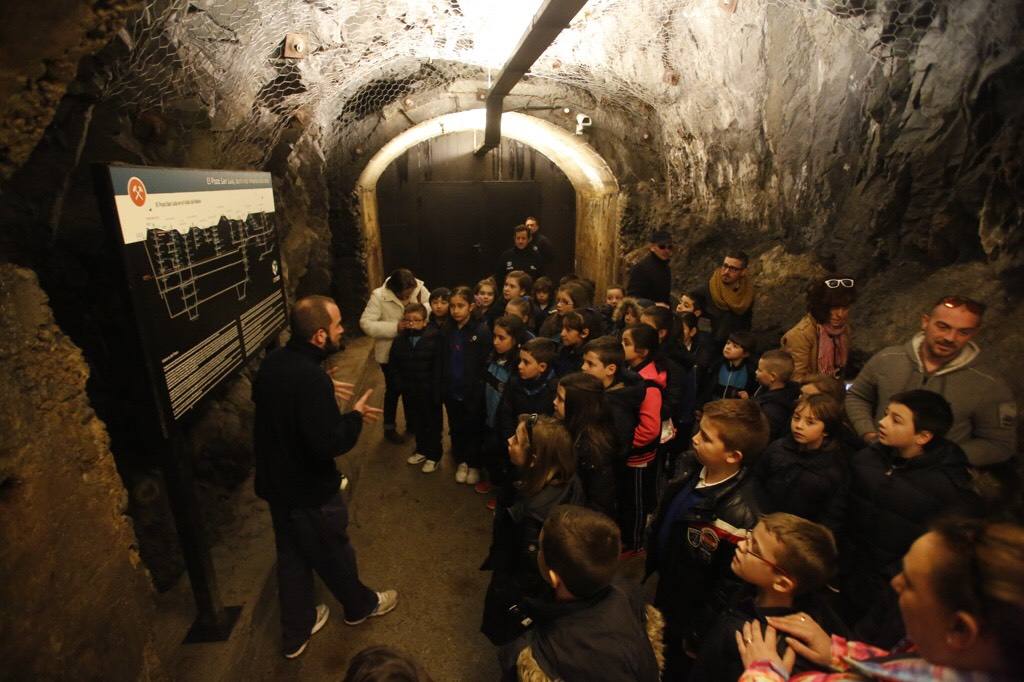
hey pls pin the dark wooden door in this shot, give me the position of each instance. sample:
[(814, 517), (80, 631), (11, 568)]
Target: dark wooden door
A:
[(447, 214)]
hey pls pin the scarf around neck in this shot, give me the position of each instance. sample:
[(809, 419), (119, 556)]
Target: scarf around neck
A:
[(736, 298), (833, 348)]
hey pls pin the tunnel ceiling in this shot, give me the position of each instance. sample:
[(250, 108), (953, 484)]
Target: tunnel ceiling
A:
[(226, 57)]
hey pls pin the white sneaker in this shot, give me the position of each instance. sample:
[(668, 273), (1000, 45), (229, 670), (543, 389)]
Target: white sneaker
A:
[(386, 603), (461, 473), (321, 619), (472, 476), (415, 458), (430, 466)]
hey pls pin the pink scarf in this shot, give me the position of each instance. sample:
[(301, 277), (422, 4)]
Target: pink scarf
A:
[(833, 347)]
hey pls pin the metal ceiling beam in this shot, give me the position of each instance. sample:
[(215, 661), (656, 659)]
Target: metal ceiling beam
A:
[(548, 22)]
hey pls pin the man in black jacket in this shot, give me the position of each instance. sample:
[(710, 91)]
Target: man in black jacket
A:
[(299, 430), (651, 278), (520, 257)]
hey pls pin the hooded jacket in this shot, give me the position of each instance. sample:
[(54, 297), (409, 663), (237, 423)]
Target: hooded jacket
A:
[(515, 541), (607, 637), (778, 406), (624, 399), (526, 397), (801, 482), (890, 503), (381, 315), (984, 411)]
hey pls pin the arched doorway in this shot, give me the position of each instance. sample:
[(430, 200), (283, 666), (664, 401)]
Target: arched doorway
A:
[(448, 215), (595, 247)]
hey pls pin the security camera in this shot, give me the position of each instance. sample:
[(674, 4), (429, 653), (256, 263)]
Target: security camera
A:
[(582, 121)]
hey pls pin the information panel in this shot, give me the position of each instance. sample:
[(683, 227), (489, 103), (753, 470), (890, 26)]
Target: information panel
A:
[(201, 256)]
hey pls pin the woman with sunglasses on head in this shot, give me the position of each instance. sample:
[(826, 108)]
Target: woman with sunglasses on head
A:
[(541, 450), (961, 598), (820, 341)]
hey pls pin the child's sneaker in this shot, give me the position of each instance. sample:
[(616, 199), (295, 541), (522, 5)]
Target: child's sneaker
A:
[(415, 458), (430, 466), (483, 487), (461, 473), (472, 476)]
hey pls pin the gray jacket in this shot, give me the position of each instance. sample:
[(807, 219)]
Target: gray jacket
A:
[(984, 411)]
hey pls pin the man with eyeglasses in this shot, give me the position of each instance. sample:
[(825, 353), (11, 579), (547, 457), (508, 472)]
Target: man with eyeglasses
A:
[(942, 358), (651, 278), (729, 297)]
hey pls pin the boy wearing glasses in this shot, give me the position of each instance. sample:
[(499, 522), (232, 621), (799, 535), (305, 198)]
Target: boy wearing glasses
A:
[(701, 518), (651, 278), (943, 358), (785, 560)]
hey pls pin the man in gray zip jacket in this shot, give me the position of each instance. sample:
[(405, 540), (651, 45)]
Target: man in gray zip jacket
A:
[(942, 358)]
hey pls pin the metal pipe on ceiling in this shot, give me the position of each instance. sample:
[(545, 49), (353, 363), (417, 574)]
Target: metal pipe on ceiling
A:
[(548, 22)]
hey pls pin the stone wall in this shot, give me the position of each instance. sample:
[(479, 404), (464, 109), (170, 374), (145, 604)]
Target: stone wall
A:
[(77, 602)]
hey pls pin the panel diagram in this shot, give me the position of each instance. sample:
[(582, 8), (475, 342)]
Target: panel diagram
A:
[(193, 267)]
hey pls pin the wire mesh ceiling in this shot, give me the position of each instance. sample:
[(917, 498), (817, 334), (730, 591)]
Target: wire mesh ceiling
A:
[(225, 57)]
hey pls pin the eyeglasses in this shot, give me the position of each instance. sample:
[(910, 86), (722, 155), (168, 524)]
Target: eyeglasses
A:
[(733, 268), (748, 541), (836, 283), (665, 247), (962, 301)]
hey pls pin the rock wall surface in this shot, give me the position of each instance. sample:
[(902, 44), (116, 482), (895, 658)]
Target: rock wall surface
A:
[(77, 602)]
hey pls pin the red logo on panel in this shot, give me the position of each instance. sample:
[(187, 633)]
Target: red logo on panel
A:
[(136, 191)]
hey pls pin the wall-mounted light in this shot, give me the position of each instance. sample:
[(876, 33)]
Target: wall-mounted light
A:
[(566, 111), (408, 102), (582, 121), (646, 137), (358, 151)]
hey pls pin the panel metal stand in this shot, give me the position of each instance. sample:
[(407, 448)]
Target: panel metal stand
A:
[(214, 621)]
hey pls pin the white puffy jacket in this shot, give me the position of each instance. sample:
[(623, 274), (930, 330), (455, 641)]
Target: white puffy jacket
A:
[(382, 313)]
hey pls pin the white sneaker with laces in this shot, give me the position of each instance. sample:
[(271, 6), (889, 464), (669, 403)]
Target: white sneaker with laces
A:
[(322, 612), (472, 476), (415, 458), (430, 466), (461, 473), (386, 603)]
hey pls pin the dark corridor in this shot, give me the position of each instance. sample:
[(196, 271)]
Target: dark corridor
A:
[(448, 215)]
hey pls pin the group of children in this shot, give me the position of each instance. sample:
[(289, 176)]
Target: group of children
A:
[(683, 448)]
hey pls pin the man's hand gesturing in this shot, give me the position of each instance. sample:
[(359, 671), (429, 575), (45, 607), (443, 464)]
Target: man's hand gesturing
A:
[(370, 414)]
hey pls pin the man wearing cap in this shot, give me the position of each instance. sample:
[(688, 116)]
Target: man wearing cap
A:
[(942, 358), (729, 297), (651, 278)]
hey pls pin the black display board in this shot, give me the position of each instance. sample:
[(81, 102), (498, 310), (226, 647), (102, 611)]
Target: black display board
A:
[(203, 266)]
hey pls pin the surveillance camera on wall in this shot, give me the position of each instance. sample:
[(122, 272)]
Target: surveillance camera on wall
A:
[(582, 121)]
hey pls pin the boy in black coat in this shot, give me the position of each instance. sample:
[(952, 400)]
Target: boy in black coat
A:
[(532, 388), (897, 487), (775, 393), (701, 518), (588, 629), (417, 355)]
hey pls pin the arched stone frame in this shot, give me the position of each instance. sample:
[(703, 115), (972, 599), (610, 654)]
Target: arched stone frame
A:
[(597, 191)]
